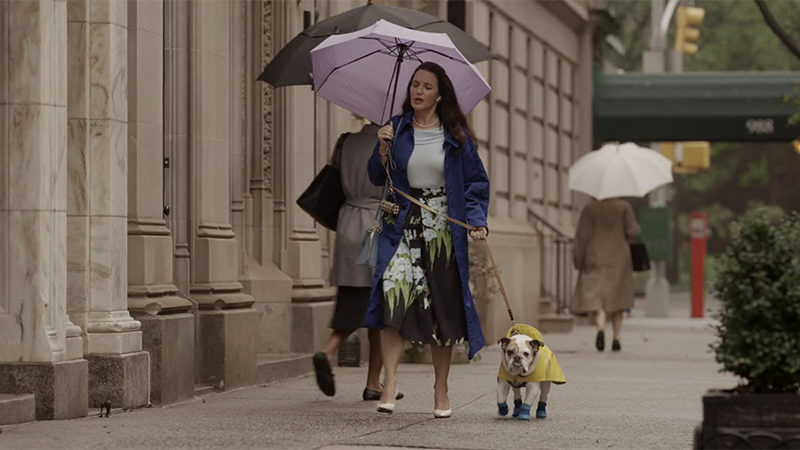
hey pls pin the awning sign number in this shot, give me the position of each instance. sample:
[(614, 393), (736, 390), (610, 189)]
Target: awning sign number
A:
[(760, 126)]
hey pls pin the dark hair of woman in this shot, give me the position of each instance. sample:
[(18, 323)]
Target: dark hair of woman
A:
[(450, 114)]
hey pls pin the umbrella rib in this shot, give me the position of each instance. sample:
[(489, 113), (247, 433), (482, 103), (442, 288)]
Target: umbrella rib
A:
[(429, 50), (391, 47), (345, 65)]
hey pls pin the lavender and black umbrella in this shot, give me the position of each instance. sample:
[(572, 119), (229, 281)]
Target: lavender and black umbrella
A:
[(292, 65), (361, 71)]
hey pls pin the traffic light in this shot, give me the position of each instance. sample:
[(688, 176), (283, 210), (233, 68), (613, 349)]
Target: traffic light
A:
[(796, 145), (688, 19), (687, 157)]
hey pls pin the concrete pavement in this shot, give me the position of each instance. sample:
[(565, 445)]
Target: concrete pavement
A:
[(647, 396)]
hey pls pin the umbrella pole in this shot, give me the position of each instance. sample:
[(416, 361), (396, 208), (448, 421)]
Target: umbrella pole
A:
[(400, 53)]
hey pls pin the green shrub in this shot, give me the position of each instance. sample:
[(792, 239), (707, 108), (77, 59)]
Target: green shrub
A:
[(758, 283)]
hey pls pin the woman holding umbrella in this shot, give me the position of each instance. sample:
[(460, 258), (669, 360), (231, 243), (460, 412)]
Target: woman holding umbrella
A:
[(420, 290)]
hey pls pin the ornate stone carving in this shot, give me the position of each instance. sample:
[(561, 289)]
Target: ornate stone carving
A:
[(266, 95)]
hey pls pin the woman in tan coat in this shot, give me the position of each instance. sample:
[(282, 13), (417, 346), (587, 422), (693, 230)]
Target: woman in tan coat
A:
[(602, 255)]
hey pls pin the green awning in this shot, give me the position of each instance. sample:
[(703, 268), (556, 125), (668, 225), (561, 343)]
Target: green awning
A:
[(700, 106)]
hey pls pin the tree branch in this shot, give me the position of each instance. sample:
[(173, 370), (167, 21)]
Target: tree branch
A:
[(776, 28)]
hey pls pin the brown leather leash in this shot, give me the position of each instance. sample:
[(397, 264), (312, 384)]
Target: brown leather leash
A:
[(468, 227)]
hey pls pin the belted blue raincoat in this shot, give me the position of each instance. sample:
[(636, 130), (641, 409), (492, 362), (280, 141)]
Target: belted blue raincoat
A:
[(467, 187)]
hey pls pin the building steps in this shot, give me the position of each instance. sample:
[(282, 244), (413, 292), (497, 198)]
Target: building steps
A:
[(546, 306), (281, 366), (556, 323), (17, 408)]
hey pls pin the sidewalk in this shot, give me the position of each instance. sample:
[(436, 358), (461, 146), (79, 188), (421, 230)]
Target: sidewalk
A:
[(647, 396)]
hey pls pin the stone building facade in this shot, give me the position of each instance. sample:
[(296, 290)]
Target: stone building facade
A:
[(150, 245)]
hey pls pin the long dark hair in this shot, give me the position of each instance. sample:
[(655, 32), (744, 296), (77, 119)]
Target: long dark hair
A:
[(450, 114)]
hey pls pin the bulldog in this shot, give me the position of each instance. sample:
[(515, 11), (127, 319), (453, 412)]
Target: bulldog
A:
[(526, 363)]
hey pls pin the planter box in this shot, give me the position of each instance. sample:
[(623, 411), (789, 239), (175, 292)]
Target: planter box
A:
[(739, 421)]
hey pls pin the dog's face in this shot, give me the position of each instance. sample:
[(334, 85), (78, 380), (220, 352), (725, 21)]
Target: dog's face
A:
[(520, 354)]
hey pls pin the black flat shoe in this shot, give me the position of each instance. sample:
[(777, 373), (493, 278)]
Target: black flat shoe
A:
[(373, 395), (615, 346), (600, 342), (322, 367)]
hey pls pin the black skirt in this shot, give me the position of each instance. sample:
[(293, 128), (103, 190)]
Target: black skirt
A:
[(351, 307), (421, 285)]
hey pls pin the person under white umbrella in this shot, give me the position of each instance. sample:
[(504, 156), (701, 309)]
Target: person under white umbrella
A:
[(620, 170), (607, 226)]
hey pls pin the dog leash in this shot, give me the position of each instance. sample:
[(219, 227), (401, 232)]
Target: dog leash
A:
[(468, 227)]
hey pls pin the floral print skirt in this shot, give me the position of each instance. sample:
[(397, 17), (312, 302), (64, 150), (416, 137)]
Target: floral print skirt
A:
[(421, 286)]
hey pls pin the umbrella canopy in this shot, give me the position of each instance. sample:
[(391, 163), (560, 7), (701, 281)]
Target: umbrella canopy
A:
[(620, 170), (361, 71), (292, 65)]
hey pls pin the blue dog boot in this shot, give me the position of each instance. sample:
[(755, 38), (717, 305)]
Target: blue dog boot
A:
[(541, 410), (517, 408), (502, 409), (525, 412)]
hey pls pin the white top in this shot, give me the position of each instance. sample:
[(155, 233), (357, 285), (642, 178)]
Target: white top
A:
[(426, 164)]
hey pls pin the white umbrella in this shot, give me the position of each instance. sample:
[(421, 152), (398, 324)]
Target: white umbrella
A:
[(620, 170), (361, 71)]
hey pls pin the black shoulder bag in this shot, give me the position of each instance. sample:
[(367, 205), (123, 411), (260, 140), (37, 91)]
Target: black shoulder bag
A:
[(325, 196), (639, 257)]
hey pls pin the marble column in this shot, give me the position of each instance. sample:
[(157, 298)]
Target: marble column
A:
[(296, 126), (98, 202), (227, 320), (153, 299), (38, 351), (253, 166)]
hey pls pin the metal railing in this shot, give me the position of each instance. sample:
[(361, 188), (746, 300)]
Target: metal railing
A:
[(556, 262)]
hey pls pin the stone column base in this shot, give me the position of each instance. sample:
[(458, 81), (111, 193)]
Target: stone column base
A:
[(272, 291), (124, 380), (170, 341), (227, 353), (61, 389), (311, 325)]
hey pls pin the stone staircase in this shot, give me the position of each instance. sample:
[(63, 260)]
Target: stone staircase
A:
[(281, 366), (271, 367), (17, 408), (549, 321)]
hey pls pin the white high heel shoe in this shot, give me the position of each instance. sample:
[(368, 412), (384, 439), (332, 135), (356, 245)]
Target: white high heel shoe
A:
[(442, 413), (387, 408)]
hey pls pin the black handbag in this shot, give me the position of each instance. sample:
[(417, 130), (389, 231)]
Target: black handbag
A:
[(639, 257), (325, 196)]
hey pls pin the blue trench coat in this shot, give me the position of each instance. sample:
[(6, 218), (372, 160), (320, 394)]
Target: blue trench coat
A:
[(467, 187)]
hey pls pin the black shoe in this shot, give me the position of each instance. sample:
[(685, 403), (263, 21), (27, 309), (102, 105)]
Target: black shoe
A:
[(324, 374), (615, 346), (373, 395), (600, 342)]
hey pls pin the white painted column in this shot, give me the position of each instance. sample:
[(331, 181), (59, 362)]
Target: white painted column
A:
[(38, 348)]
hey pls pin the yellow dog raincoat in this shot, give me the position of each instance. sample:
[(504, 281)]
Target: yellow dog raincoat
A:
[(542, 372)]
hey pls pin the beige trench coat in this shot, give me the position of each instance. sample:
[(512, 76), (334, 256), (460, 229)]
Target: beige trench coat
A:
[(357, 214), (602, 255)]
